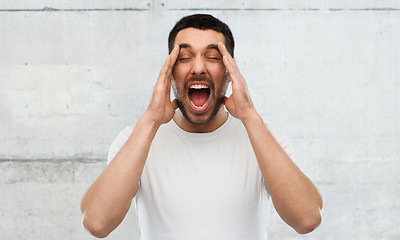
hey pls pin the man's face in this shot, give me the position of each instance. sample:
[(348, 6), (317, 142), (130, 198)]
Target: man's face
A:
[(199, 75)]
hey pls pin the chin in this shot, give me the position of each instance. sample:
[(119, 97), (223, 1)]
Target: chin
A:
[(199, 118)]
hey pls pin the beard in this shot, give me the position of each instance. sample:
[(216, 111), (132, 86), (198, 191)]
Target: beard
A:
[(215, 101)]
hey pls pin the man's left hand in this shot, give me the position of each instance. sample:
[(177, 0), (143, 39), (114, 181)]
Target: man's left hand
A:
[(239, 103)]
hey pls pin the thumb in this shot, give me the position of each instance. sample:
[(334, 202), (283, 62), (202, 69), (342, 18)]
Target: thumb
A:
[(229, 105), (224, 100), (175, 104)]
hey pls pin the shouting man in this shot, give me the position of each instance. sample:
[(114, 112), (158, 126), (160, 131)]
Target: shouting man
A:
[(203, 166)]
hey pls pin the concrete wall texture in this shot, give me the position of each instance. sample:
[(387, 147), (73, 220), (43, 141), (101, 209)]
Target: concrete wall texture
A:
[(74, 73)]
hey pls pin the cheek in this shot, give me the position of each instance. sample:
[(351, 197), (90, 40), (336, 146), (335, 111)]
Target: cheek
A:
[(180, 70), (218, 72)]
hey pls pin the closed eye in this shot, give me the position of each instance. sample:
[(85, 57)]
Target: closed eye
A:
[(184, 59), (213, 58), (213, 54)]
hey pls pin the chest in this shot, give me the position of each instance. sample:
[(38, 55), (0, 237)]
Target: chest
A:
[(222, 173)]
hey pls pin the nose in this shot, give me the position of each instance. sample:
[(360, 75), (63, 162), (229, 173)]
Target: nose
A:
[(198, 67)]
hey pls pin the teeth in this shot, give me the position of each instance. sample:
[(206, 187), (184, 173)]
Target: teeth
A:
[(198, 86), (197, 106)]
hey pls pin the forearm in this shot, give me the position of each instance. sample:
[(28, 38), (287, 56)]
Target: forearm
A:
[(295, 197), (107, 201)]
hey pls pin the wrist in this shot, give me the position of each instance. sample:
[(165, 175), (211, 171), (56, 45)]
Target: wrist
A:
[(252, 118), (149, 120)]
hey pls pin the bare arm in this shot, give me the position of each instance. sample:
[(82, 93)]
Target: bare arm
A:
[(107, 201), (295, 198)]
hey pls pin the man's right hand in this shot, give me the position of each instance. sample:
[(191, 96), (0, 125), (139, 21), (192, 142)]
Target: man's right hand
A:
[(107, 201), (161, 110)]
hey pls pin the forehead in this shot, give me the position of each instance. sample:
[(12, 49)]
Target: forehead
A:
[(198, 38)]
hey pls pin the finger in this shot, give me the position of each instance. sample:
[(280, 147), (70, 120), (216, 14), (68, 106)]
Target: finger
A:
[(228, 64), (163, 71), (229, 105), (173, 56), (175, 104), (224, 100), (227, 59), (223, 50), (234, 73)]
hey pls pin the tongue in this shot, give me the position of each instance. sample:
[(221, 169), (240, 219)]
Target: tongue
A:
[(199, 97)]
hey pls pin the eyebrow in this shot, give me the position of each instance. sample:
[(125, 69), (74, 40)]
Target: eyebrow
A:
[(213, 46), (184, 45), (209, 46)]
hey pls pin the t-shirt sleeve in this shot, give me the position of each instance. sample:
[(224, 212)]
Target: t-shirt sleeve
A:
[(118, 143), (282, 139)]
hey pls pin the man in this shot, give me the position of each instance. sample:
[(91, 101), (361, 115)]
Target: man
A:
[(200, 172)]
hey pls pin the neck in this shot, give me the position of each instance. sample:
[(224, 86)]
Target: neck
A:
[(212, 125)]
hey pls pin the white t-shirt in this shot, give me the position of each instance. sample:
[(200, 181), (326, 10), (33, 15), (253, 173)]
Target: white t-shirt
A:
[(201, 186)]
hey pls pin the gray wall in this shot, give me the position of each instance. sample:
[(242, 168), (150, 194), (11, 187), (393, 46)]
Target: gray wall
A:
[(74, 73)]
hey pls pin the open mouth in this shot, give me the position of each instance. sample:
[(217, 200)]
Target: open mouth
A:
[(199, 94)]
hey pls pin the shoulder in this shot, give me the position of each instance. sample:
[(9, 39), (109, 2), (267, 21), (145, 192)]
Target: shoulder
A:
[(278, 134), (123, 136), (119, 142)]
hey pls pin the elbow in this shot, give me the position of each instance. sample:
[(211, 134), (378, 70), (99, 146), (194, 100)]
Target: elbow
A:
[(95, 227), (309, 223)]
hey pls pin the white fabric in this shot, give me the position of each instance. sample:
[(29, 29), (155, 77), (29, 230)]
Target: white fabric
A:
[(201, 185)]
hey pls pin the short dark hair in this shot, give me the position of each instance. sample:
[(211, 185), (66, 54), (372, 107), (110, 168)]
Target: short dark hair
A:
[(203, 22)]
